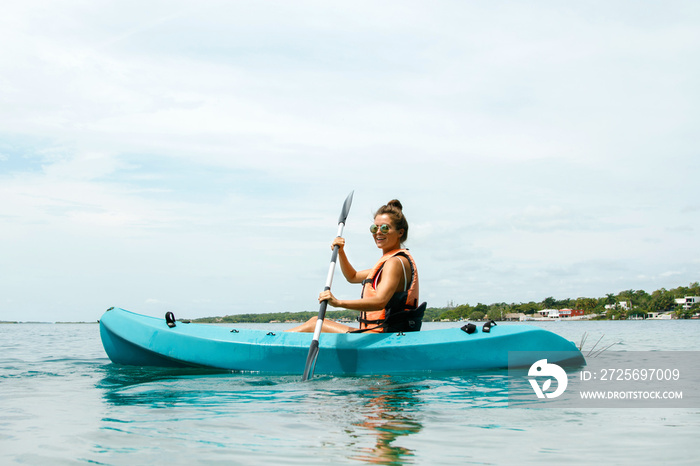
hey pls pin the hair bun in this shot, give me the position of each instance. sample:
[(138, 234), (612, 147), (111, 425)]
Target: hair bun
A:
[(395, 203)]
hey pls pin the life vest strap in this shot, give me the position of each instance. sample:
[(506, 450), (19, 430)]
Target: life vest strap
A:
[(407, 320)]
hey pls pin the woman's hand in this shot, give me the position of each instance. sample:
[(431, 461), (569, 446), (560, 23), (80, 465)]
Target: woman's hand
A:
[(338, 241), (328, 296)]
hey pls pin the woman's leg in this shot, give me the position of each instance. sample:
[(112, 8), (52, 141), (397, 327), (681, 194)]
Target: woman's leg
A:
[(329, 326)]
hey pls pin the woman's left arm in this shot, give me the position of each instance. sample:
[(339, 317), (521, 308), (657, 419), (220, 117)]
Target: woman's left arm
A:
[(388, 285)]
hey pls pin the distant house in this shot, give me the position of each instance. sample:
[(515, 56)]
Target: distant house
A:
[(659, 316), (515, 316), (624, 305), (687, 302), (570, 312), (551, 313), (560, 313)]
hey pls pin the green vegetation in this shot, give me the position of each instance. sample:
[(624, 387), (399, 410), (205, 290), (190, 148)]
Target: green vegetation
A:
[(636, 303), (277, 317)]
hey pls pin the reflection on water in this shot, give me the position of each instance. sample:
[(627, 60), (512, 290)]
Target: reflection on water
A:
[(370, 419), (117, 382), (390, 412)]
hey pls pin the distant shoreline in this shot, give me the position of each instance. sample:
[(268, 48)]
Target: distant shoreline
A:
[(444, 321)]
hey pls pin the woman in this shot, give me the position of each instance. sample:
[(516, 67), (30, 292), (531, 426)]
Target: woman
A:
[(389, 300)]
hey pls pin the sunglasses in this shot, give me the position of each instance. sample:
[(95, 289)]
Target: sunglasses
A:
[(383, 228)]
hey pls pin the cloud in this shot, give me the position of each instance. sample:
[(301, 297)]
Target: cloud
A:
[(200, 153)]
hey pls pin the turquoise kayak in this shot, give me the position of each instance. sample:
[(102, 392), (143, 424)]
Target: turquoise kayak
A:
[(134, 339)]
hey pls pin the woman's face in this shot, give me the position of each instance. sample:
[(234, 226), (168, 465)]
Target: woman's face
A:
[(389, 240)]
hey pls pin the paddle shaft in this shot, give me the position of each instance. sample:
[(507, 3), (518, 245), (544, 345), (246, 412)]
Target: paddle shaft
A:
[(329, 281), (313, 349)]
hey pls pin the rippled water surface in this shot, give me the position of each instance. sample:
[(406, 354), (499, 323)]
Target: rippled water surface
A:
[(63, 401)]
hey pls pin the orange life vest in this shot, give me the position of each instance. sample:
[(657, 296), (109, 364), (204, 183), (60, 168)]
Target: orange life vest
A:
[(376, 321)]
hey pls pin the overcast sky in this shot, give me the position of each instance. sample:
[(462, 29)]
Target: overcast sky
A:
[(194, 156)]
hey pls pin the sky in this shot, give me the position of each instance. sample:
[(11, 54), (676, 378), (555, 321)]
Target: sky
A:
[(194, 156)]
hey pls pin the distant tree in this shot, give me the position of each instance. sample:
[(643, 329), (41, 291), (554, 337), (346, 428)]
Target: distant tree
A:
[(498, 311), (683, 313), (476, 315), (680, 292), (661, 300), (463, 310), (610, 299), (641, 298), (627, 294), (549, 303), (483, 308), (694, 289), (450, 314), (586, 304), (432, 314), (527, 308)]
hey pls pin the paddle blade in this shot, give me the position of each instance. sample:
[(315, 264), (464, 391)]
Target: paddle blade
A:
[(310, 361), (346, 208)]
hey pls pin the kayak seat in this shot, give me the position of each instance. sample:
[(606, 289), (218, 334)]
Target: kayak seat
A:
[(409, 320)]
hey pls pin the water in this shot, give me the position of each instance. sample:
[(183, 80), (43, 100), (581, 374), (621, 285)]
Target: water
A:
[(63, 402)]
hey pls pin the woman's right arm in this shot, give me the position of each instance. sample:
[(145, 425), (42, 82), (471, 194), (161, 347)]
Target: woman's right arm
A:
[(351, 275)]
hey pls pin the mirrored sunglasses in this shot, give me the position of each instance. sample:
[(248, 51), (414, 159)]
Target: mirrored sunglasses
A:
[(384, 228)]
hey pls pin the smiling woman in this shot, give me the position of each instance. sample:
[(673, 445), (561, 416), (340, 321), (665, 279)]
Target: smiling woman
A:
[(389, 300)]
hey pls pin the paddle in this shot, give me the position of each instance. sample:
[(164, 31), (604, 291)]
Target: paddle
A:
[(313, 349)]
